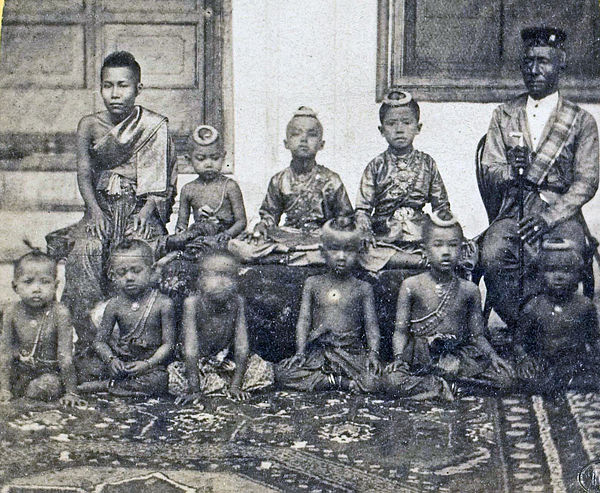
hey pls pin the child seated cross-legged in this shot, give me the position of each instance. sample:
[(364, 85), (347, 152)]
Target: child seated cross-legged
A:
[(394, 189), (216, 347), (336, 315), (439, 322), (37, 337), (136, 335), (305, 193), (214, 199), (558, 343)]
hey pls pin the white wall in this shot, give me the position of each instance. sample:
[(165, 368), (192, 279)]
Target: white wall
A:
[(321, 53)]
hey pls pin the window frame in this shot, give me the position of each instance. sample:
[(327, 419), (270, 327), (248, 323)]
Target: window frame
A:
[(391, 56)]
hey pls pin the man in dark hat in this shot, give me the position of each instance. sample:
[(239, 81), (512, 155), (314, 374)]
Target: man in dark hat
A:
[(555, 143)]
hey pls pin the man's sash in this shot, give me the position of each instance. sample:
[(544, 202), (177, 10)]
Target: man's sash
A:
[(141, 139), (564, 123)]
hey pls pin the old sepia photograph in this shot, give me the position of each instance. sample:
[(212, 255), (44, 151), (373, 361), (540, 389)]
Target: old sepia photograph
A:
[(299, 246)]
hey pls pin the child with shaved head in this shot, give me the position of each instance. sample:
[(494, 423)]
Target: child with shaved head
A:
[(137, 332), (216, 347)]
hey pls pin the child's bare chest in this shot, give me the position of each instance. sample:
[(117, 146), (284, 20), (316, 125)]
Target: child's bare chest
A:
[(338, 297), (130, 320), (215, 330)]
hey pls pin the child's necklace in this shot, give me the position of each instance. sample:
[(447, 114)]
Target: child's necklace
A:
[(441, 288), (135, 306)]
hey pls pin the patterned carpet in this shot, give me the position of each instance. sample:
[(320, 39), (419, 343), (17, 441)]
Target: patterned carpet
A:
[(282, 441)]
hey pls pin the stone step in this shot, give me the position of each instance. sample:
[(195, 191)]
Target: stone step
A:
[(47, 190)]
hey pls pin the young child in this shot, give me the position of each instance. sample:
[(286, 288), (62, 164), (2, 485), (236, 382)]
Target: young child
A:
[(216, 345), (439, 323), (337, 311), (37, 337), (394, 189), (307, 193), (558, 342), (136, 353), (215, 200)]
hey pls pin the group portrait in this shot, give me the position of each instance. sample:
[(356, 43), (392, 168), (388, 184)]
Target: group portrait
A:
[(322, 246)]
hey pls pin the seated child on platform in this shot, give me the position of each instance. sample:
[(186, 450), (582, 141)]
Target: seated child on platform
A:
[(558, 343), (439, 322), (395, 187), (305, 193), (36, 343), (214, 199), (216, 347), (136, 335)]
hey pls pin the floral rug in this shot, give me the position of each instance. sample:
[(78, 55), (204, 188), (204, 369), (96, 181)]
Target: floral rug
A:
[(284, 441)]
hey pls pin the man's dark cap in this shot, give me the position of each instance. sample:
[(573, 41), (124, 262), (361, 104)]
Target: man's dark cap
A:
[(544, 36)]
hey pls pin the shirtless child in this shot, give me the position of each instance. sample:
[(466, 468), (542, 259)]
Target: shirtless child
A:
[(135, 355), (214, 325), (439, 323), (37, 337), (336, 311), (215, 200), (558, 342)]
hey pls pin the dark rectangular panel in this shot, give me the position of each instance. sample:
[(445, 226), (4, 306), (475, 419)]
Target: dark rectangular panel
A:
[(38, 55), (166, 52), (455, 38)]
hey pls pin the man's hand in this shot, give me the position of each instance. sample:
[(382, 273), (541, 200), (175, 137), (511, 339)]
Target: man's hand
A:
[(5, 396), (141, 221), (501, 365), (97, 224), (192, 398), (237, 394), (70, 399), (396, 365), (518, 157), (117, 368), (532, 228), (297, 360), (136, 367), (373, 363)]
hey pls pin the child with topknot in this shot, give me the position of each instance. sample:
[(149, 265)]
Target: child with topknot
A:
[(214, 199), (337, 335), (439, 323), (395, 188), (36, 343)]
